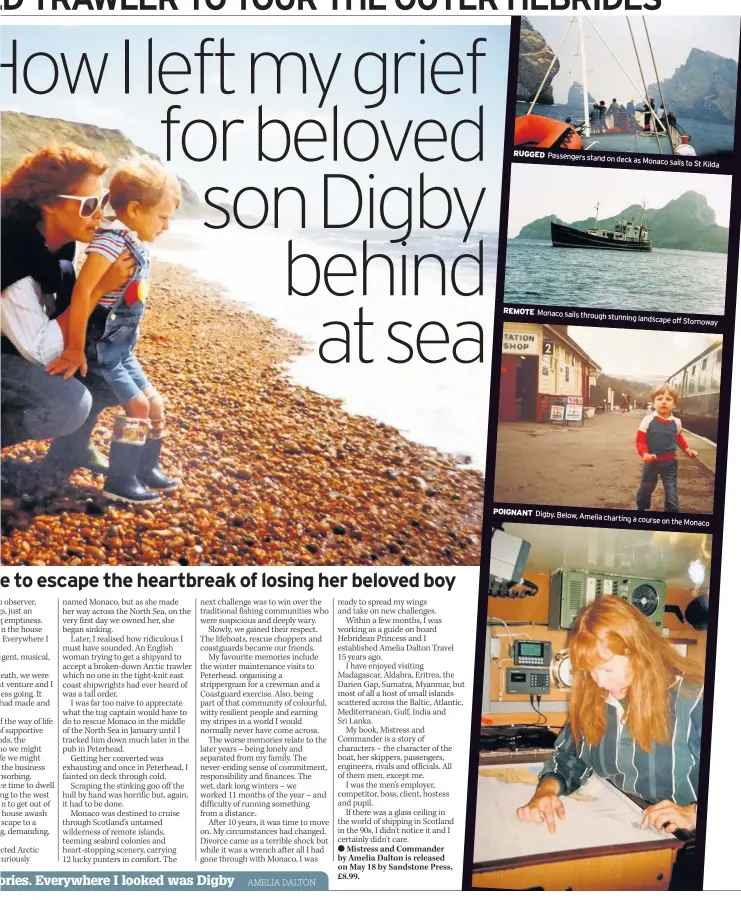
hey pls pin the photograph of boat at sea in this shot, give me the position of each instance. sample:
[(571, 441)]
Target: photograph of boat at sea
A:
[(612, 239), (628, 85)]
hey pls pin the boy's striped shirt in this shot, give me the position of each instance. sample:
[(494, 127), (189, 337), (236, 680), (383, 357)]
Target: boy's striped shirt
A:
[(110, 241)]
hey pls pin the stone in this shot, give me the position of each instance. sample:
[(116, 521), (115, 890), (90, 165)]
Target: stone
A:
[(576, 96), (534, 59), (703, 88)]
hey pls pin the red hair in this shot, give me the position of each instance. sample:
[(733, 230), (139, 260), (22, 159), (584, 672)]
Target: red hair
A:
[(610, 625), (40, 177)]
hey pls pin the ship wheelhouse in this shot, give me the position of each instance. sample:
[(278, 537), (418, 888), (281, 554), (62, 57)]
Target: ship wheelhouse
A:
[(623, 231)]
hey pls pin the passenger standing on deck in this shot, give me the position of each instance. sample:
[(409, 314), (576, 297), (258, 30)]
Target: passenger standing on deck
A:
[(614, 111), (648, 114), (594, 119), (631, 111)]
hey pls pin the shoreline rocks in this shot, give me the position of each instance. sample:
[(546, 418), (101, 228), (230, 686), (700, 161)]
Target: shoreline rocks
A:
[(534, 59), (273, 473), (576, 95)]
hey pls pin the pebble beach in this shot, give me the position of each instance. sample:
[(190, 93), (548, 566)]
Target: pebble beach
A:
[(273, 473)]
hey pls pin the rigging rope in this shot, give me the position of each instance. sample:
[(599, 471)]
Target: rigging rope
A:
[(645, 89), (553, 62), (658, 80)]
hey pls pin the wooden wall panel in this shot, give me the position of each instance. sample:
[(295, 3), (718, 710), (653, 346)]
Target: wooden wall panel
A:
[(535, 609)]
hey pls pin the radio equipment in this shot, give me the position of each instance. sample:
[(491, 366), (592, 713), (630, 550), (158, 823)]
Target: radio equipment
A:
[(571, 591)]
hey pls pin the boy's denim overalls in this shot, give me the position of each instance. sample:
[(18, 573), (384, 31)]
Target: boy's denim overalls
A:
[(114, 331)]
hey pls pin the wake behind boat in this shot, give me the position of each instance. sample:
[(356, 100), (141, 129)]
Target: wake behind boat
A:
[(626, 235)]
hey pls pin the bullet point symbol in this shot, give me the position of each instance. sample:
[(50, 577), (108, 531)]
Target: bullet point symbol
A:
[(341, 847)]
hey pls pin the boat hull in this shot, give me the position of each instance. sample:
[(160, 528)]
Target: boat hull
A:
[(629, 142), (542, 131), (563, 236), (614, 140)]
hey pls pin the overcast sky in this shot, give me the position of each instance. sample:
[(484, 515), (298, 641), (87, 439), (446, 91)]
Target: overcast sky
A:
[(572, 193), (640, 354), (672, 38)]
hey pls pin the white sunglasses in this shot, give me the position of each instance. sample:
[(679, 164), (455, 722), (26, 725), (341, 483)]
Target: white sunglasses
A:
[(88, 205)]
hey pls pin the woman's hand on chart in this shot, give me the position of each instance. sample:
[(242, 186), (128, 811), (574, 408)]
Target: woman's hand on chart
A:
[(544, 807), (668, 816)]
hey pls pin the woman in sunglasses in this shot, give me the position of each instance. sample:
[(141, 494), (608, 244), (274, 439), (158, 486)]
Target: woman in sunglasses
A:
[(52, 199)]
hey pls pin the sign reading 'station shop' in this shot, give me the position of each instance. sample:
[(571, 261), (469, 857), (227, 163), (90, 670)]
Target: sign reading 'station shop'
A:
[(522, 342)]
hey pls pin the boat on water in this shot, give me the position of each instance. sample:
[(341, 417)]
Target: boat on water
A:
[(644, 131), (627, 235), (537, 130)]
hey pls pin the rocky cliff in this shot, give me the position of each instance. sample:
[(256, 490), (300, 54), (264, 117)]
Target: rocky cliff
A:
[(535, 57), (23, 133), (703, 88), (576, 95), (686, 223)]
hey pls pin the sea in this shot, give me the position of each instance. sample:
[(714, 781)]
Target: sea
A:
[(442, 405), (660, 281), (707, 138)]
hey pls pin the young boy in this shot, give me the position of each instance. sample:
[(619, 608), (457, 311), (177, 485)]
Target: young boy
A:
[(103, 334), (657, 440)]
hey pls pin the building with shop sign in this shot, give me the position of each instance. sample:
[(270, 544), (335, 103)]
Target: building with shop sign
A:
[(541, 367)]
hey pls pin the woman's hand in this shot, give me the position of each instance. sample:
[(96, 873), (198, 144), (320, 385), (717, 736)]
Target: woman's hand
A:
[(668, 816), (116, 275), (68, 363), (545, 806)]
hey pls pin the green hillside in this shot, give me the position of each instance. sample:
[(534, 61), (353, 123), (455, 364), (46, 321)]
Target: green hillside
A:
[(23, 133), (687, 223)]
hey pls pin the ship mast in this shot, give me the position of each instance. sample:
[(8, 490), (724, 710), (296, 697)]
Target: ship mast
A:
[(648, 105), (585, 91), (641, 93), (596, 217), (658, 82)]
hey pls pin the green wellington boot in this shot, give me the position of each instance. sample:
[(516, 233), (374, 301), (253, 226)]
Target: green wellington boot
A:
[(77, 451), (65, 458)]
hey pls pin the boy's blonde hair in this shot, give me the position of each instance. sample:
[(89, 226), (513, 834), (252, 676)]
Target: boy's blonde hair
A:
[(144, 180), (665, 389)]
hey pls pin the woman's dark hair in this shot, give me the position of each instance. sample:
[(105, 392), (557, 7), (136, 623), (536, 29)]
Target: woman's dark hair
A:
[(40, 177)]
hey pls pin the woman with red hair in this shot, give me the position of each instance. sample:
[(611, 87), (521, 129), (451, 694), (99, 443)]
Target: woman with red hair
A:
[(635, 718), (52, 199)]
